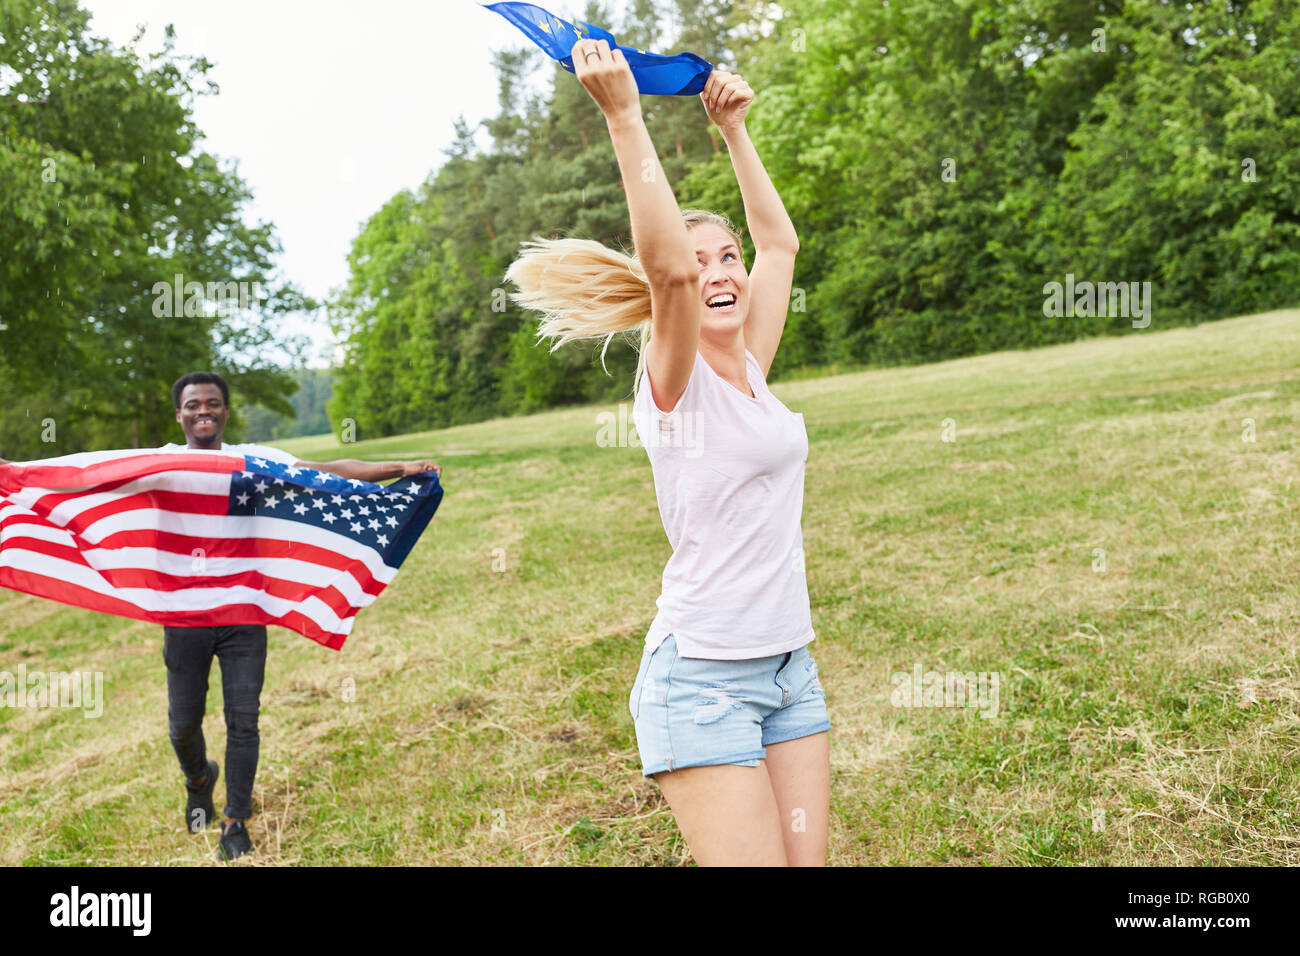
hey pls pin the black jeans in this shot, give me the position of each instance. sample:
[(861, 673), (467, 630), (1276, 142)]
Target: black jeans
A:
[(187, 652)]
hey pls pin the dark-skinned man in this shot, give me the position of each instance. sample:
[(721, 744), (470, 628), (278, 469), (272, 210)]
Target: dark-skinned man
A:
[(202, 402)]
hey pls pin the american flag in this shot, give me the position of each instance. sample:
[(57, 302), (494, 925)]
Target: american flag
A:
[(196, 539)]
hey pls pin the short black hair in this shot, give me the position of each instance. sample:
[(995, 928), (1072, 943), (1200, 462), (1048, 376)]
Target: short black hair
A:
[(200, 378)]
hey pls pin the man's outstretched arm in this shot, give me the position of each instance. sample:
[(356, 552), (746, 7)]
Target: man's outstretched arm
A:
[(372, 471)]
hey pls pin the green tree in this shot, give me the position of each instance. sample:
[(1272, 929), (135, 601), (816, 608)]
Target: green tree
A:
[(96, 217)]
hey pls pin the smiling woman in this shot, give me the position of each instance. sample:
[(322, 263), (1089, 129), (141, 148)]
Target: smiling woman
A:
[(730, 717)]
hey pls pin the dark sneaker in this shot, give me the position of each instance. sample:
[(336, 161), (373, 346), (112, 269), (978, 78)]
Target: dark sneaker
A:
[(234, 841), (199, 812)]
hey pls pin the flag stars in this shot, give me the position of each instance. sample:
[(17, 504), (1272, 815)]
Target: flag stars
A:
[(370, 514)]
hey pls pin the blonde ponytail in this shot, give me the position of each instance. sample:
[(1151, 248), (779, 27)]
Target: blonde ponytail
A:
[(586, 290)]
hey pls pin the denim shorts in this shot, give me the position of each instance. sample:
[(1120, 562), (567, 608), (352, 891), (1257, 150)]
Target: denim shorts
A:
[(691, 712)]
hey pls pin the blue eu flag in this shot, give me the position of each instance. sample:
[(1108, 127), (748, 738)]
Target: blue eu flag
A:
[(678, 75)]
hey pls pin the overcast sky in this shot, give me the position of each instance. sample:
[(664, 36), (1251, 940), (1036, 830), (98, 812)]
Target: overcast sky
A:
[(330, 107)]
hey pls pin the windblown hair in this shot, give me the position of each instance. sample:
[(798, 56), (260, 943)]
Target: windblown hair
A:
[(586, 290)]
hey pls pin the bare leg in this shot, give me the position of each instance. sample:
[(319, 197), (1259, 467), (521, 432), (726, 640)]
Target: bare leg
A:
[(727, 814), (800, 771)]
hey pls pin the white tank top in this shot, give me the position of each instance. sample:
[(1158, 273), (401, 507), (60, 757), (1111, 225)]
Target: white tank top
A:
[(728, 472)]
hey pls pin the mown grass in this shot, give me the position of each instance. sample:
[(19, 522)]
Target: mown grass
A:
[(1148, 704)]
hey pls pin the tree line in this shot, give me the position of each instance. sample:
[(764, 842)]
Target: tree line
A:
[(951, 169), (954, 171)]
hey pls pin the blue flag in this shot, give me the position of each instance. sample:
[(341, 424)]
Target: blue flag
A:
[(679, 75)]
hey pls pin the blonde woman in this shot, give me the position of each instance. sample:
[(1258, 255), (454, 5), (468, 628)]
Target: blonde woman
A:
[(730, 718)]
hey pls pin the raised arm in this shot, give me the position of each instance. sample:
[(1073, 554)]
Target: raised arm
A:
[(726, 99), (660, 236)]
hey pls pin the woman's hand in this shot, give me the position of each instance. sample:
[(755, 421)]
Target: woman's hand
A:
[(608, 79), (726, 98)]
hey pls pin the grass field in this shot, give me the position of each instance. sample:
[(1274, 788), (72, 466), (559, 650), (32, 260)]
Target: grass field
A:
[(1101, 534)]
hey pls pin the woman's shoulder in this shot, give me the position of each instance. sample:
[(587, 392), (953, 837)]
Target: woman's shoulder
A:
[(689, 397), (751, 361)]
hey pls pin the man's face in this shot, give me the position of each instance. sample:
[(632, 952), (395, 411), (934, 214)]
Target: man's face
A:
[(202, 415)]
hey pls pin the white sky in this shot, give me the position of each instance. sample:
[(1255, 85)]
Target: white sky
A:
[(330, 107)]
